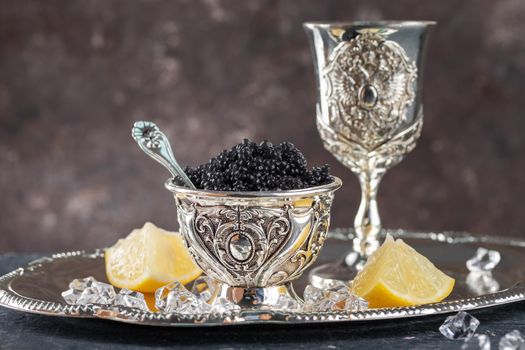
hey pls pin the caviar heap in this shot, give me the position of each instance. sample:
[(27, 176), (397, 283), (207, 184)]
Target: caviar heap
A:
[(249, 166)]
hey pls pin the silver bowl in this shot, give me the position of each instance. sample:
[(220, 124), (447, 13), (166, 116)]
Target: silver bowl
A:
[(255, 242)]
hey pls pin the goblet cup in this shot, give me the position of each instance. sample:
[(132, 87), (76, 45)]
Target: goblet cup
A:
[(369, 112)]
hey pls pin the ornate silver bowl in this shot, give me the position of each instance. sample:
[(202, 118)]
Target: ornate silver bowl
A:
[(254, 243)]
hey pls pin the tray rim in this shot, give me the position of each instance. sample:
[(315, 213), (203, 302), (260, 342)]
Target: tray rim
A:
[(12, 300)]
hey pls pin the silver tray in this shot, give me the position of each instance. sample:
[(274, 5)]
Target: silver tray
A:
[(37, 287)]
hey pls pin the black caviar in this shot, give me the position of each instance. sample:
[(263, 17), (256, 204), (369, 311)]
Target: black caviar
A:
[(249, 166)]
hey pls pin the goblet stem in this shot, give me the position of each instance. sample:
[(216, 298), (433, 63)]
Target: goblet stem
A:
[(367, 222)]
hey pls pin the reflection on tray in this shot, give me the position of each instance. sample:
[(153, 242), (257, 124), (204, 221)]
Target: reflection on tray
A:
[(481, 283)]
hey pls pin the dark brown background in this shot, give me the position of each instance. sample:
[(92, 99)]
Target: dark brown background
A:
[(74, 75)]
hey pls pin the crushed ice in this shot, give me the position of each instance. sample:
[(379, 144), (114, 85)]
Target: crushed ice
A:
[(335, 298), (204, 299)]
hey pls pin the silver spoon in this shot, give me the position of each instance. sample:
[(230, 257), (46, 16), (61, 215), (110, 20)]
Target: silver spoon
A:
[(156, 145)]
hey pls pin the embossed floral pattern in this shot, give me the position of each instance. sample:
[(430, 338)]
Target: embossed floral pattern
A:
[(251, 245), (370, 84)]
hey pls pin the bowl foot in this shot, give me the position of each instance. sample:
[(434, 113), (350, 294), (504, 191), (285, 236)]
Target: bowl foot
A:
[(257, 298)]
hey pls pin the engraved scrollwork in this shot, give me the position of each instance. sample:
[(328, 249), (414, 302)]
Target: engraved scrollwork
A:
[(302, 258), (241, 238), (252, 245), (277, 231), (357, 158), (369, 86)]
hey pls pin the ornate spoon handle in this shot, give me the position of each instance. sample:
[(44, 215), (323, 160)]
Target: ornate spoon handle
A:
[(156, 145)]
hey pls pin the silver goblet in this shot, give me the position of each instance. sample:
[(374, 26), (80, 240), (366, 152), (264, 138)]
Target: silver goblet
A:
[(369, 111)]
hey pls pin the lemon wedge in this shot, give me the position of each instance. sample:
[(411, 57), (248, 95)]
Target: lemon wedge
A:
[(149, 258), (397, 275)]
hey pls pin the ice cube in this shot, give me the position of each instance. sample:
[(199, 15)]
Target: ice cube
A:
[(82, 283), (335, 298), (484, 261), (91, 296), (477, 342), (459, 326), (287, 303), (105, 292), (71, 296), (188, 306), (224, 306), (76, 287), (89, 291), (205, 288), (316, 299), (512, 341), (355, 303), (312, 295), (130, 298), (174, 297)]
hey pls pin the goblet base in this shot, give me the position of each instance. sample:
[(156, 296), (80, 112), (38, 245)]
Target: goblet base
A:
[(257, 298), (326, 275)]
